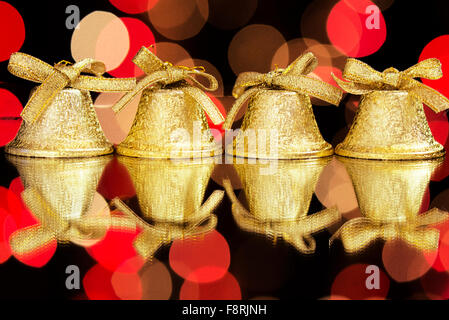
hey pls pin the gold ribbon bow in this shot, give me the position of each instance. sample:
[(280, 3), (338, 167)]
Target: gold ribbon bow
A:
[(296, 232), (51, 226), (56, 78), (54, 227), (164, 73), (154, 236), (292, 78), (358, 233), (364, 79)]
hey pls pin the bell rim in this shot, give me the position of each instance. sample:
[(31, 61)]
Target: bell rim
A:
[(66, 153), (188, 154), (432, 154), (325, 152)]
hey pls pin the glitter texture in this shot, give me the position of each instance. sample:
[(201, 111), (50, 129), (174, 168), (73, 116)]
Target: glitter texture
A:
[(169, 124), (390, 125), (279, 124), (68, 127)]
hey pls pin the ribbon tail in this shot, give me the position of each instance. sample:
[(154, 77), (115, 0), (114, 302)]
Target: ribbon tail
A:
[(352, 87), (355, 234), (210, 204), (311, 87), (30, 239), (42, 211), (432, 217), (141, 85), (430, 97), (28, 67), (422, 239), (321, 220), (304, 64), (147, 243), (230, 118), (44, 95), (205, 102), (104, 84), (303, 243)]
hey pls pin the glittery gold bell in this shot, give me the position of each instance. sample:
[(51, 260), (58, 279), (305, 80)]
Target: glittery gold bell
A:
[(59, 119), (390, 122), (170, 120), (67, 185), (278, 196), (172, 191), (67, 128), (390, 194), (279, 122)]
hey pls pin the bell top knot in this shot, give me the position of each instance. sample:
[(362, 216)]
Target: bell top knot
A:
[(62, 75), (361, 79)]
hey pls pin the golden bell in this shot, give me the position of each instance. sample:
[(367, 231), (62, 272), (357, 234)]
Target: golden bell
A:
[(169, 124), (170, 191), (68, 127), (67, 185), (390, 195), (279, 122), (290, 132), (390, 125), (278, 196), (390, 191), (59, 193)]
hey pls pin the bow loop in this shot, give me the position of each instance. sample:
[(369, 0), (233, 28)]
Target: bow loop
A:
[(362, 79), (63, 74), (358, 233), (293, 78), (163, 73), (303, 65)]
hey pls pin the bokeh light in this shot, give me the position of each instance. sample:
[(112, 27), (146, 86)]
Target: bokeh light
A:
[(227, 288), (405, 263), (437, 48), (202, 259), (116, 181), (133, 6), (7, 227), (355, 32), (115, 248), (115, 126), (103, 36), (179, 19), (13, 30), (334, 188), (126, 281), (98, 208), (10, 120), (351, 283), (253, 48), (139, 35), (231, 14), (97, 284), (436, 285), (292, 49), (313, 20), (156, 281)]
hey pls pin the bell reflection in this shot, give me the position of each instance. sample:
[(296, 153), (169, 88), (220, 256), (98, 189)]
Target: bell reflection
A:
[(390, 194), (278, 201), (68, 185), (170, 196), (59, 192), (169, 190)]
